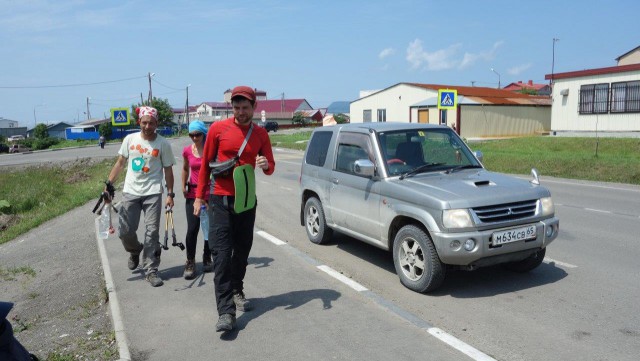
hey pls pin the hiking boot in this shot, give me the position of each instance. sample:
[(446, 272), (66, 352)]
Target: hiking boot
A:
[(242, 304), (207, 264), (134, 260), (190, 270), (154, 279), (226, 322)]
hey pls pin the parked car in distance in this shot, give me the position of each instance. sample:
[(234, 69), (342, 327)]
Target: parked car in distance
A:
[(14, 138), (418, 191), (18, 148), (270, 126)]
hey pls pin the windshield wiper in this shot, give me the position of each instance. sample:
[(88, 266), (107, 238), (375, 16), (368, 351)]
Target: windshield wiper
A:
[(419, 169), (461, 167)]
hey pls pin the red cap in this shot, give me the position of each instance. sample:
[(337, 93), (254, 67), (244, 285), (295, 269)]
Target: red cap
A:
[(245, 92)]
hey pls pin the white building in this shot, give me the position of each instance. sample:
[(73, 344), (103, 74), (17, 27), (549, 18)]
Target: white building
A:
[(480, 112), (602, 101), (8, 123)]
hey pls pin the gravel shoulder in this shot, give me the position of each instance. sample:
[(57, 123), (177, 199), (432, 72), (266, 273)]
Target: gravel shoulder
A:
[(54, 276)]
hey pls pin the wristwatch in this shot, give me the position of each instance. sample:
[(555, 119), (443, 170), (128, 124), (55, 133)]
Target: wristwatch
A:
[(171, 194)]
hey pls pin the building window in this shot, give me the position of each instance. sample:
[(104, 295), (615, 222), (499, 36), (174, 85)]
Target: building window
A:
[(366, 116), (594, 99), (625, 97), (382, 115)]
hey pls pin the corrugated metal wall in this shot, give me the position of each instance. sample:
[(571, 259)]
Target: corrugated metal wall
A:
[(487, 121)]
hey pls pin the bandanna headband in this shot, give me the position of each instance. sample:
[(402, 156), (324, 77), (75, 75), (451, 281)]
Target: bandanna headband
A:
[(150, 111)]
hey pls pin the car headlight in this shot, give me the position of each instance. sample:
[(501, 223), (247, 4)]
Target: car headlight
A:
[(456, 218), (547, 207)]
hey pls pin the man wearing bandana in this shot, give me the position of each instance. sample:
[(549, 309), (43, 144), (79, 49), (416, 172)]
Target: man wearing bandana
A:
[(147, 156)]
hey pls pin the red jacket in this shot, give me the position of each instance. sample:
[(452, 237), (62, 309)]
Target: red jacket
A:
[(224, 139)]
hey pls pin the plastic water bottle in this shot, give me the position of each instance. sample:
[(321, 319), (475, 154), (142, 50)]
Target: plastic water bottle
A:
[(204, 221), (103, 223)]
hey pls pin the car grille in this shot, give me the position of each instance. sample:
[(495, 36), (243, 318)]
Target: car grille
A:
[(506, 212)]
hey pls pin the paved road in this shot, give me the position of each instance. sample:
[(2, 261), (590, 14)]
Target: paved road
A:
[(580, 304)]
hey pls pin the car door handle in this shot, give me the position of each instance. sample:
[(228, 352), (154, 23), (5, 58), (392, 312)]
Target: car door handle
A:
[(335, 181)]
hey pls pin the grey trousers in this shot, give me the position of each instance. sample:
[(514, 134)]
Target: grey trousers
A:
[(129, 219)]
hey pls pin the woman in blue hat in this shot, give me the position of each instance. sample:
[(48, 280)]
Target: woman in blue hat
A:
[(192, 155)]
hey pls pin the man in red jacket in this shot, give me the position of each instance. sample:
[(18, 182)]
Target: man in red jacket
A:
[(231, 233)]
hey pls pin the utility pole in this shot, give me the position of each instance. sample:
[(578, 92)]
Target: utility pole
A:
[(473, 83), (553, 60), (88, 112), (141, 99)]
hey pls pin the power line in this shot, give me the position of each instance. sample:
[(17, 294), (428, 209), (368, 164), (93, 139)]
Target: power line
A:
[(166, 86), (69, 85)]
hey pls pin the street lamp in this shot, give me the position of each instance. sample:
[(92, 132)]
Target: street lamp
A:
[(553, 60), (34, 114), (187, 106), (150, 93), (498, 77)]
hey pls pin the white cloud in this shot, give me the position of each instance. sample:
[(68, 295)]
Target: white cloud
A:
[(471, 58), (438, 60), (386, 52), (517, 70)]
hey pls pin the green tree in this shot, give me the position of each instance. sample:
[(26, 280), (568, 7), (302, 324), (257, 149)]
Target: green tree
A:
[(40, 131), (106, 130), (165, 114), (298, 118), (341, 118), (528, 91)]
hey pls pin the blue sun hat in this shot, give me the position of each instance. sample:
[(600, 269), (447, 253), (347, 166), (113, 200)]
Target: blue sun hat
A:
[(198, 126)]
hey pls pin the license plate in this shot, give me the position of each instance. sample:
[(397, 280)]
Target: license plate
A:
[(513, 235)]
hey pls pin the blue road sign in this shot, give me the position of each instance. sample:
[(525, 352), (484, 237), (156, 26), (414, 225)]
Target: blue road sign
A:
[(120, 116), (447, 98)]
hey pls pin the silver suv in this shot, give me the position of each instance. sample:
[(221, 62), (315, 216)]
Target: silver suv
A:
[(418, 191)]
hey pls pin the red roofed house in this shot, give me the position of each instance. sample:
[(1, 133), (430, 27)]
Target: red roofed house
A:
[(535, 89), (600, 101)]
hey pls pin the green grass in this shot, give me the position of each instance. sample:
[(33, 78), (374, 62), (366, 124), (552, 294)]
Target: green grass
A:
[(291, 141), (38, 194), (8, 274), (606, 160)]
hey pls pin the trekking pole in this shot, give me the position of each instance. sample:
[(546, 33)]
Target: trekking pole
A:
[(166, 230), (173, 232)]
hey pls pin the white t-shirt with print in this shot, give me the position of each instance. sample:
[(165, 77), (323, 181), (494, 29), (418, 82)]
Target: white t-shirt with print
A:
[(145, 163)]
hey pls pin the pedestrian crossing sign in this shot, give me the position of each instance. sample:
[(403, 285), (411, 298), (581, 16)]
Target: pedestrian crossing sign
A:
[(120, 117), (447, 98)]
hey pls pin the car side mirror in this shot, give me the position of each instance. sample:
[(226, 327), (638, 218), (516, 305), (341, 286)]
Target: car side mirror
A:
[(364, 167)]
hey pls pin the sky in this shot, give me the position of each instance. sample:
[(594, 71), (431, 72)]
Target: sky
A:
[(58, 55)]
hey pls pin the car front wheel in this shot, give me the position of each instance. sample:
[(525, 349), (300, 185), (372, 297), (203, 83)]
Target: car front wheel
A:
[(416, 260), (315, 222)]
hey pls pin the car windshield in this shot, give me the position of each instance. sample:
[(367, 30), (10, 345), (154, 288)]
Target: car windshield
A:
[(409, 152)]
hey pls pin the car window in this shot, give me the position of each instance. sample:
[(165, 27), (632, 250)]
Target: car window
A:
[(318, 148), (406, 150), (352, 147)]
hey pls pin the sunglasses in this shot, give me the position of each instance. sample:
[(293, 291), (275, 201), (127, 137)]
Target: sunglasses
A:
[(196, 135)]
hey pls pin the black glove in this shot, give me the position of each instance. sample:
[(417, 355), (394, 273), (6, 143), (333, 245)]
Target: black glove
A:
[(111, 189)]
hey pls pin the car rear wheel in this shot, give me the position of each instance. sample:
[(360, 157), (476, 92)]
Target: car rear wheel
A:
[(416, 260), (528, 263), (315, 223)]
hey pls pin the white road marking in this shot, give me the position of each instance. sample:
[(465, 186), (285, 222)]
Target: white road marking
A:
[(597, 210), (286, 188), (270, 238), (561, 264), (342, 278), (459, 345), (542, 181), (441, 335)]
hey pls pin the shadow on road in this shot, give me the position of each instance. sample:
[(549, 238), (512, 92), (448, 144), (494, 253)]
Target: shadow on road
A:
[(289, 301)]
